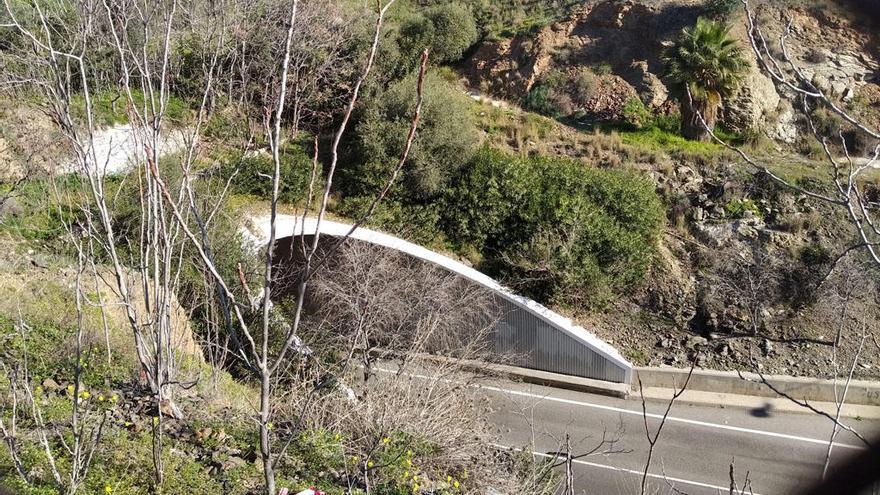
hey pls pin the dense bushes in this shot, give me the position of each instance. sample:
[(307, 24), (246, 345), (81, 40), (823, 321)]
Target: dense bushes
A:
[(251, 174), (561, 94), (446, 139), (567, 234), (447, 30)]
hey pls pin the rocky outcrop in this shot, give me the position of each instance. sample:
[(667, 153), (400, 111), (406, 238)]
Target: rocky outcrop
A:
[(623, 39), (755, 100), (621, 42)]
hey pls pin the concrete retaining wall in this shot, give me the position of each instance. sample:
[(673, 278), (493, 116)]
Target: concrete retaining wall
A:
[(729, 382)]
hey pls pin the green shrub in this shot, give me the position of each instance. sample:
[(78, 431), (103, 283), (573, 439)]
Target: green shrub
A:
[(253, 174), (635, 114), (814, 254), (737, 208), (602, 69), (415, 222), (446, 30), (539, 100), (569, 234), (446, 139), (722, 9), (112, 107)]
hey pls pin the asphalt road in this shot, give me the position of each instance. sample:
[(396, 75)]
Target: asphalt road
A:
[(782, 453)]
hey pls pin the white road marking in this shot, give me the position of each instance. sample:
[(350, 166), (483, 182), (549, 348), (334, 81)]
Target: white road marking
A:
[(694, 422), (671, 479)]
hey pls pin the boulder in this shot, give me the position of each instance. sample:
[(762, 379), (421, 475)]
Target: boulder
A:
[(754, 101), (651, 90), (10, 207), (786, 128)]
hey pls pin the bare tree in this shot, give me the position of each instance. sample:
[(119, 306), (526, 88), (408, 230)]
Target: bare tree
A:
[(380, 304), (654, 438), (258, 352), (78, 438)]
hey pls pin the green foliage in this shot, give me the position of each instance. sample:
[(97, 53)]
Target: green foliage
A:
[(663, 135), (507, 18), (445, 140), (722, 9), (561, 94), (539, 100), (112, 107), (252, 174), (635, 114), (447, 30), (40, 219), (737, 208), (707, 60), (451, 30), (571, 235), (602, 69), (814, 254), (416, 222)]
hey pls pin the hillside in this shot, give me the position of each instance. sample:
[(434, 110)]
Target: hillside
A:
[(633, 165)]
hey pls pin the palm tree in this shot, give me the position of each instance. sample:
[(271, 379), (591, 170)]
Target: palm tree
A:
[(711, 64)]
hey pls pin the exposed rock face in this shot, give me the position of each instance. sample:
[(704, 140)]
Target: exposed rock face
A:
[(624, 38), (609, 98), (755, 100), (621, 41), (651, 89)]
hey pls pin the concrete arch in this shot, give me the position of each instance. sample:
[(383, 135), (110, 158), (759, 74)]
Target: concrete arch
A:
[(546, 340)]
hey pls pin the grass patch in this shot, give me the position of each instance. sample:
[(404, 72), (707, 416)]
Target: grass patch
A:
[(111, 108), (663, 134)]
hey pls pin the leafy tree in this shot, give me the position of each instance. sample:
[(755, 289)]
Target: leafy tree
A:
[(445, 141), (447, 30), (711, 64)]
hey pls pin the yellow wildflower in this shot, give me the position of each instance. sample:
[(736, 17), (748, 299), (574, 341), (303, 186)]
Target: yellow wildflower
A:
[(448, 479), (114, 398), (456, 483), (386, 440), (416, 487), (269, 425), (369, 464), (70, 389), (108, 489), (101, 398)]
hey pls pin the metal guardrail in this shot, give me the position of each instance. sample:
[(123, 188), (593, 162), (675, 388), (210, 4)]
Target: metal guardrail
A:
[(533, 335)]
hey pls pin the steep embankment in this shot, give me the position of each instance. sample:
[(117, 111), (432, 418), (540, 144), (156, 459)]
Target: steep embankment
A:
[(743, 275), (610, 51)]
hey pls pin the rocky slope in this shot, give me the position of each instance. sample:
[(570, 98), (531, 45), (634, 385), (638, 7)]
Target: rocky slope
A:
[(618, 44), (744, 280)]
